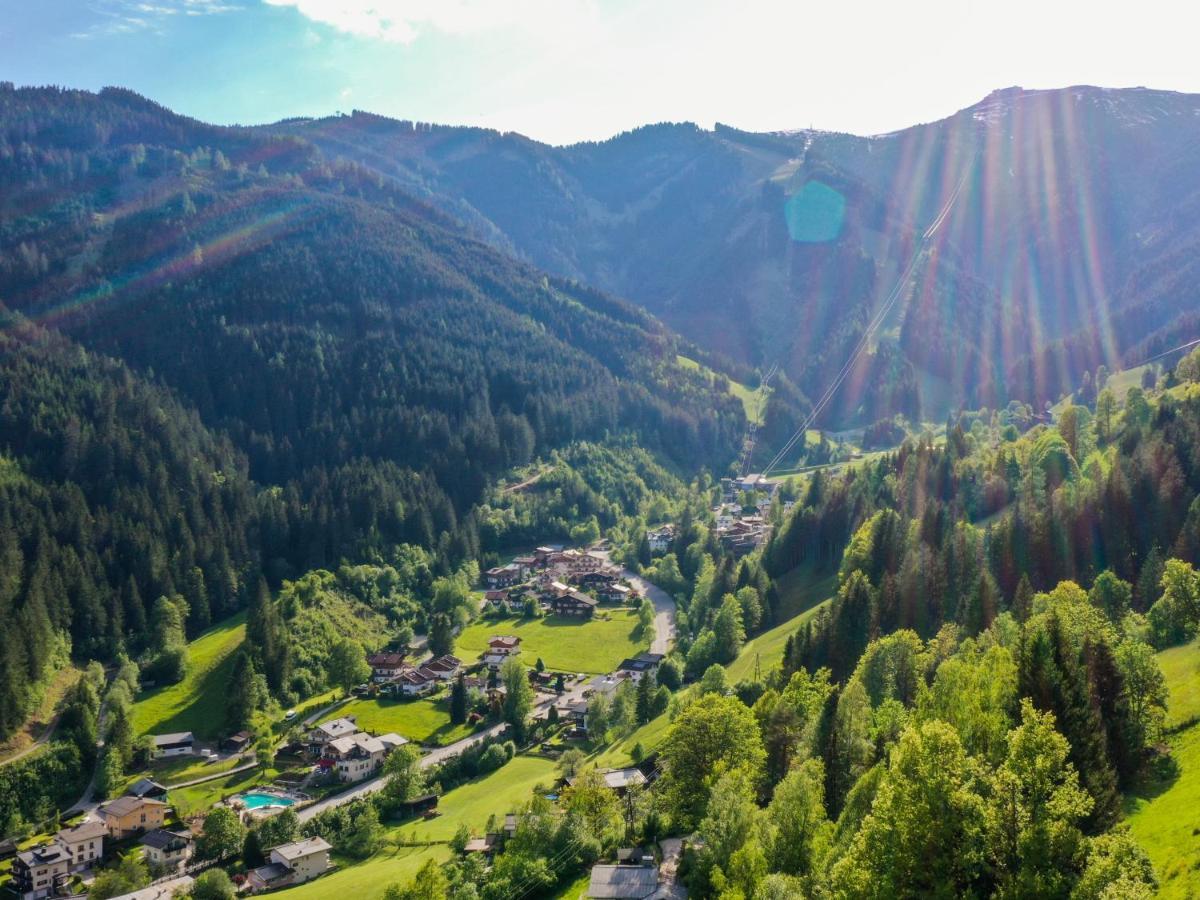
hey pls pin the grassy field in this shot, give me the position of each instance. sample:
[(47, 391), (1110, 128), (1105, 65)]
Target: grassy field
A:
[(197, 703), (564, 644), (1181, 667), (495, 794), (363, 880), (802, 588), (426, 721), (620, 753), (1162, 812), (407, 847), (178, 771), (766, 650), (190, 800), (745, 393)]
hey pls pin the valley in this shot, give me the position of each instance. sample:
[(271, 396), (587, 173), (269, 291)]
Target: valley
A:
[(428, 512)]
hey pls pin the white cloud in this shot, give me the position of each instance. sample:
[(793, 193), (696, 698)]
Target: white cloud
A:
[(401, 21), (128, 16)]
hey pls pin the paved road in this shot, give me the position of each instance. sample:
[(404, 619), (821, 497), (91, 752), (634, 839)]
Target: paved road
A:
[(664, 607)]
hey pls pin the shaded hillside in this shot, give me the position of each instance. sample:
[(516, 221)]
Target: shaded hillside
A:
[(228, 358), (1072, 213)]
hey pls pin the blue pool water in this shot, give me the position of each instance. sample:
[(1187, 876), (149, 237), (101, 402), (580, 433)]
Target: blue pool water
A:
[(258, 801)]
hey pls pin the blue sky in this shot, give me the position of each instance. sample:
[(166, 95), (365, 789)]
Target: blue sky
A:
[(568, 70)]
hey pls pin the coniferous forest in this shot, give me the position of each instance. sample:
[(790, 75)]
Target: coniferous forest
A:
[(249, 381), (228, 359)]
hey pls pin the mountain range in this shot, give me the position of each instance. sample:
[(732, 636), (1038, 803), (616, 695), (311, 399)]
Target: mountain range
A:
[(1066, 230)]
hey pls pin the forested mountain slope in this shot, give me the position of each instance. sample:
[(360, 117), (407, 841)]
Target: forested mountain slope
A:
[(1069, 229), (228, 357)]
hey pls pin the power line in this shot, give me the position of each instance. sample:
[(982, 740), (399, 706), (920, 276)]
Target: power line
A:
[(875, 322)]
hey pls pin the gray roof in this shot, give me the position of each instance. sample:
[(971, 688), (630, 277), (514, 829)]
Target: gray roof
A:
[(161, 839), (163, 890), (298, 849), (270, 872), (144, 787), (85, 831), (123, 806), (178, 737), (619, 882), (43, 854), (336, 728)]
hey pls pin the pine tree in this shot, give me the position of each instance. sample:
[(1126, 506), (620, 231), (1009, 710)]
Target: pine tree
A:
[(458, 701), (1022, 604), (645, 699)]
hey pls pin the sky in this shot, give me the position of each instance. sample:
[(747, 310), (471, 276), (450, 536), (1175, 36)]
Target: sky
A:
[(563, 71)]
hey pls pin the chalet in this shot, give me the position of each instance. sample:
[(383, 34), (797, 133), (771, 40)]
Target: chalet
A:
[(148, 788), (485, 845), (574, 712), (356, 756), (41, 871), (596, 580), (575, 562), (291, 864), (167, 851), (660, 539), (615, 593), (640, 665), (391, 741), (320, 735), (495, 601), (542, 555), (164, 746), (617, 780), (237, 743), (623, 882), (504, 576), (84, 844), (500, 648), (415, 682), (385, 666), (127, 816), (574, 603), (445, 668), (606, 684), (528, 563)]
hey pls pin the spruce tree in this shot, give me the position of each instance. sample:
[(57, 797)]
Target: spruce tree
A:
[(458, 700)]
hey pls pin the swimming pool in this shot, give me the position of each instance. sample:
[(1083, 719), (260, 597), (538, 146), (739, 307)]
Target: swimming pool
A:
[(255, 800)]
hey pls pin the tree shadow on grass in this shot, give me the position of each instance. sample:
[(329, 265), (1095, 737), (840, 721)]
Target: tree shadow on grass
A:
[(1160, 776), (204, 715)]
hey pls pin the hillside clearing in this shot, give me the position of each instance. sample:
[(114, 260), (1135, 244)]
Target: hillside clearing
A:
[(197, 703), (1162, 811), (594, 647), (391, 865), (754, 409), (425, 721), (407, 847)]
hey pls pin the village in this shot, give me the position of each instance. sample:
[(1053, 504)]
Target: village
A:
[(336, 761)]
